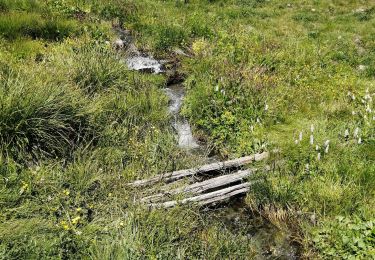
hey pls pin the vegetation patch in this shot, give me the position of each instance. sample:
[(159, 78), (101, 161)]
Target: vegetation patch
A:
[(295, 78)]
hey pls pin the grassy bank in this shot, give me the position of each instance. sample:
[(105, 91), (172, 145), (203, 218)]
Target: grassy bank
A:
[(76, 125)]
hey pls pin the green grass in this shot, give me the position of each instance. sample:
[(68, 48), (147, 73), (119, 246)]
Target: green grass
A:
[(76, 126), (39, 116), (15, 25)]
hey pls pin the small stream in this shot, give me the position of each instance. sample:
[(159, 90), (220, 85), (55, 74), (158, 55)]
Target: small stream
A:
[(145, 63), (270, 241), (176, 95)]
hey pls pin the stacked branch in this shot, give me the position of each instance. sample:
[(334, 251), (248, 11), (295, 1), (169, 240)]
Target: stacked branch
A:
[(205, 169), (216, 189), (208, 198), (201, 187)]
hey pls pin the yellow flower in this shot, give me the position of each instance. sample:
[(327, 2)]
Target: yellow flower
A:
[(199, 46), (66, 192), (78, 209), (76, 220), (64, 225), (24, 187), (121, 224)]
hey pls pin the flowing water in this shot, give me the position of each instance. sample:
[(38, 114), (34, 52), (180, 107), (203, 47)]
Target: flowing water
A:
[(176, 95), (142, 63), (271, 243)]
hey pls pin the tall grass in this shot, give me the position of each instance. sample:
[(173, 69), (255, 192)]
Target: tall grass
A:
[(14, 25), (37, 116), (21, 5), (97, 69)]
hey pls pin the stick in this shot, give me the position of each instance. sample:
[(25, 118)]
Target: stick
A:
[(208, 198), (202, 187), (208, 168)]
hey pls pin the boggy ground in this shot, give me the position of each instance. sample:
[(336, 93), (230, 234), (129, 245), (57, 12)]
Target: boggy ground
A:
[(76, 125)]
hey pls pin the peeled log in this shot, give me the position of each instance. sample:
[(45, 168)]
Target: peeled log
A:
[(202, 187), (208, 198), (208, 168)]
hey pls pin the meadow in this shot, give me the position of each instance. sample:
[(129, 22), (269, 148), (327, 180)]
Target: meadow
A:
[(293, 77)]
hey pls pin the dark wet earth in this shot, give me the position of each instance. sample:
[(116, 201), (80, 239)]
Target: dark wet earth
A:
[(269, 241)]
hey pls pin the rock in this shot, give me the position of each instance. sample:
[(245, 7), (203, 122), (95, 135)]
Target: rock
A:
[(119, 44), (362, 67), (179, 51), (358, 40), (360, 10)]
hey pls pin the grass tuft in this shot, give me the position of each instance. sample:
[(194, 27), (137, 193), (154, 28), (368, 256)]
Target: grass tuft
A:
[(39, 116)]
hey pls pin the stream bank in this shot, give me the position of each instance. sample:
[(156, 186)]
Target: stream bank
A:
[(235, 215)]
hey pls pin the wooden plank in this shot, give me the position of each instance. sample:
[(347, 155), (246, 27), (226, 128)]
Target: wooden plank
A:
[(205, 169), (202, 187), (208, 198)]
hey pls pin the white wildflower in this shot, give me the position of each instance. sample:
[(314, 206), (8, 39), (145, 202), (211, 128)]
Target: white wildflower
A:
[(223, 92), (312, 128), (346, 134), (356, 131), (349, 93), (317, 147), (353, 113), (258, 120), (300, 136), (216, 88), (326, 145), (368, 109), (307, 167), (311, 139), (266, 107), (318, 157), (359, 140), (353, 97), (296, 141), (362, 67)]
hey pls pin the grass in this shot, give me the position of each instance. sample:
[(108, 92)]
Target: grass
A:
[(15, 25), (37, 116), (76, 125)]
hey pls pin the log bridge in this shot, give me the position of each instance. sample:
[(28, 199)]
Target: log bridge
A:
[(225, 180)]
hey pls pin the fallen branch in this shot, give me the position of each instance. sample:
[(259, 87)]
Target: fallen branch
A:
[(208, 198), (205, 169), (202, 187)]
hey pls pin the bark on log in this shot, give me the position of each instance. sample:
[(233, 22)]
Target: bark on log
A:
[(208, 198), (202, 187), (209, 168)]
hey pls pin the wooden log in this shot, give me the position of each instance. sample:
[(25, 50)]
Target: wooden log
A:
[(208, 198), (202, 187), (205, 169)]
